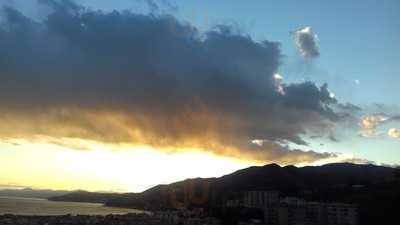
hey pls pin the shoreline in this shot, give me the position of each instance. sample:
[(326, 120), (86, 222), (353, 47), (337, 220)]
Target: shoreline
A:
[(127, 219), (22, 198), (22, 206)]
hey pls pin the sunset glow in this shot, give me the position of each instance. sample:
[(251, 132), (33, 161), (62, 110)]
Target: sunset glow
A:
[(107, 170), (105, 96)]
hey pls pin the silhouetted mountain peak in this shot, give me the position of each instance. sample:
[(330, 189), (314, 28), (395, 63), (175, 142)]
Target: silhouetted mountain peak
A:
[(272, 165)]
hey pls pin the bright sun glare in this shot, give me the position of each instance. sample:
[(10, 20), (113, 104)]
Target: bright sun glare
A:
[(133, 170)]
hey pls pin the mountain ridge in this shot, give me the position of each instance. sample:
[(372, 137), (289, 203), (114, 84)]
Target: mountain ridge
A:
[(288, 180)]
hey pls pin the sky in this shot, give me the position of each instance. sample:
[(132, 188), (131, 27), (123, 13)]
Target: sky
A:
[(123, 95)]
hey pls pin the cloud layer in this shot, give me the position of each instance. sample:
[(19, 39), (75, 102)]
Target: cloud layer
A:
[(122, 77)]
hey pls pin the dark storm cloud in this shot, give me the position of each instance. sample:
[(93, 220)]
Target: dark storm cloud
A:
[(121, 77), (307, 42)]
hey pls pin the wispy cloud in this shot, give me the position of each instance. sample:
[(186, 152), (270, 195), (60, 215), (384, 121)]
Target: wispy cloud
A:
[(307, 42), (370, 123), (394, 133)]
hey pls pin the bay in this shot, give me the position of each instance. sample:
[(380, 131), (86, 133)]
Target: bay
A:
[(35, 206)]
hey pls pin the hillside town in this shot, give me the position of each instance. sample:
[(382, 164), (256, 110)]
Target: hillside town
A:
[(291, 210)]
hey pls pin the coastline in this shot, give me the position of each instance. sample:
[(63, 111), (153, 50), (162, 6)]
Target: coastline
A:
[(22, 198), (44, 207), (127, 219)]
